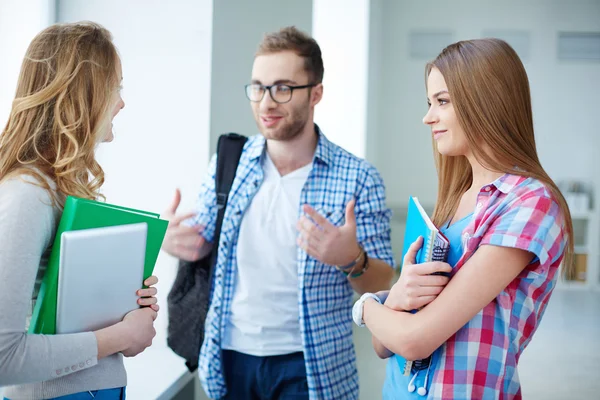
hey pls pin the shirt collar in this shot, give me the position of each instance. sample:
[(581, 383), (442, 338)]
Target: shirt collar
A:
[(256, 147), (505, 183), (325, 149)]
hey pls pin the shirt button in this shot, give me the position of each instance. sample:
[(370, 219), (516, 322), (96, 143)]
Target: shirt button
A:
[(67, 369), (487, 189), (81, 365), (73, 367), (58, 371), (89, 362), (479, 205)]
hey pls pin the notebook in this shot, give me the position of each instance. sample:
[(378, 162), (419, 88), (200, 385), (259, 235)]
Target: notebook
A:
[(435, 248), (435, 245), (87, 214), (100, 271)]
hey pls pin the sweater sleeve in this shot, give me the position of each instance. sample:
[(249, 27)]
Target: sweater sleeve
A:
[(27, 225)]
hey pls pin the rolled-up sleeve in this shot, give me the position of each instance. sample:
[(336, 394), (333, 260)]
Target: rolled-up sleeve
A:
[(373, 217), (533, 223)]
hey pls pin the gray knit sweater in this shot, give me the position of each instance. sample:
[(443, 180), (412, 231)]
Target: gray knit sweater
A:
[(39, 366)]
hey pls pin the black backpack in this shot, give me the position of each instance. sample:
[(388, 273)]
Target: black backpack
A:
[(189, 297)]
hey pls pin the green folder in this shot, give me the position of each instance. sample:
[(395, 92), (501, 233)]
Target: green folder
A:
[(87, 214)]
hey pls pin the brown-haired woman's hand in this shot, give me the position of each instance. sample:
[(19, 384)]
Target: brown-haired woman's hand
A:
[(418, 284)]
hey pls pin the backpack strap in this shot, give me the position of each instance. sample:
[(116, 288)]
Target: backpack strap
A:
[(229, 151)]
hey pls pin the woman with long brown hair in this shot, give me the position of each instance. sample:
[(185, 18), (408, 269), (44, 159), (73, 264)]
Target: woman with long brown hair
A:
[(509, 229), (67, 95)]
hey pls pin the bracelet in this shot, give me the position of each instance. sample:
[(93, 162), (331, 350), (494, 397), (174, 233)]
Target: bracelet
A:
[(365, 266), (353, 263)]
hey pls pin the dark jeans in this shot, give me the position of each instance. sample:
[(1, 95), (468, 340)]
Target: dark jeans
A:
[(265, 378)]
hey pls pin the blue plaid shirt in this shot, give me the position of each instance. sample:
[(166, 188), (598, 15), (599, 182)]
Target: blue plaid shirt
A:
[(325, 295)]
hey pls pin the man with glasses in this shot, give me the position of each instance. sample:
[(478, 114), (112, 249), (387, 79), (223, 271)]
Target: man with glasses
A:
[(311, 227)]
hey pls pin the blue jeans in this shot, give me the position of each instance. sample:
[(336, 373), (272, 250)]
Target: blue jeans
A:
[(264, 378), (104, 394)]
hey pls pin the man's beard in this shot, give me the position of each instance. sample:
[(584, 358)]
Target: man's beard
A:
[(288, 131)]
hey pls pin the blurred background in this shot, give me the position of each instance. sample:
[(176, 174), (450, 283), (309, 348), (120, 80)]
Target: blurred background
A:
[(185, 63)]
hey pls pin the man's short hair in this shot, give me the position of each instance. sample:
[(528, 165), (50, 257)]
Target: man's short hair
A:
[(292, 39)]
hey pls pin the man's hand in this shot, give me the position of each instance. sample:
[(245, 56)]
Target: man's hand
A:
[(416, 286), (326, 242), (183, 241)]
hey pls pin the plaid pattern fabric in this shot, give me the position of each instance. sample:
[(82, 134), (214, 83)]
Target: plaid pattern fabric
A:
[(325, 296), (480, 360)]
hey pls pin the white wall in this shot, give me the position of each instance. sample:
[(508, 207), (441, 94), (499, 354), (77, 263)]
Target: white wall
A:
[(20, 21), (238, 28), (373, 135), (162, 134), (563, 93), (342, 29)]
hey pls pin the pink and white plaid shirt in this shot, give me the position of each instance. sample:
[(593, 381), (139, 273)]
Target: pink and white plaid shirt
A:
[(480, 360)]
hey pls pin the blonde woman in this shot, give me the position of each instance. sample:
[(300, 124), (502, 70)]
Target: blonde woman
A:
[(67, 95), (509, 229)]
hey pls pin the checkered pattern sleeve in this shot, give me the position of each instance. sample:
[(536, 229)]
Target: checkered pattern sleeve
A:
[(373, 218), (533, 223)]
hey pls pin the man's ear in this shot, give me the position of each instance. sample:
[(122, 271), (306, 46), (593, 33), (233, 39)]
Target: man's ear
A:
[(316, 94)]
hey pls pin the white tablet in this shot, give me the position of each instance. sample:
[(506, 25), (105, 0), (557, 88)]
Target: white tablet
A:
[(100, 271)]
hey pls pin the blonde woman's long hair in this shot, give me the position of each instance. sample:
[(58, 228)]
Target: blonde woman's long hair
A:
[(61, 108), (490, 92)]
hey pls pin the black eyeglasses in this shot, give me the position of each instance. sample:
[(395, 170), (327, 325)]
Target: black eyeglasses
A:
[(279, 93)]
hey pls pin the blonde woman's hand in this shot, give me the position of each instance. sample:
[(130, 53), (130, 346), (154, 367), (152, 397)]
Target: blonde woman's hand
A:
[(138, 327), (135, 332), (418, 284), (147, 297)]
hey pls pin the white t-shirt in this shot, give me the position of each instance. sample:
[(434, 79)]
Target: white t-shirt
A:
[(264, 318)]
